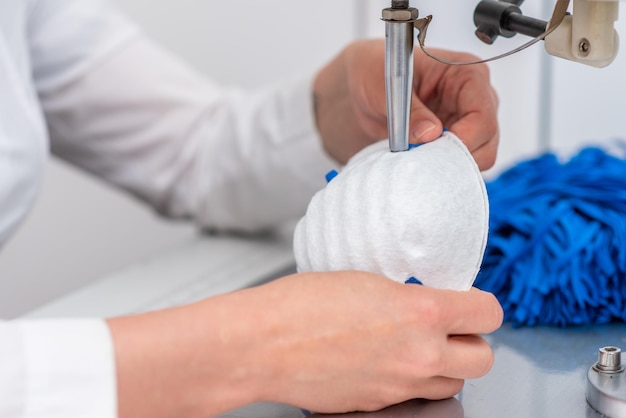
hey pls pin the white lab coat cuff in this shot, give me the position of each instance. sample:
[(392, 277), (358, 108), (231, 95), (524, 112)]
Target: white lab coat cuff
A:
[(306, 150), (70, 369)]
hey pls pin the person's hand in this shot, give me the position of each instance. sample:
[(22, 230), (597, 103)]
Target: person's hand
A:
[(327, 342), (350, 102), (346, 341)]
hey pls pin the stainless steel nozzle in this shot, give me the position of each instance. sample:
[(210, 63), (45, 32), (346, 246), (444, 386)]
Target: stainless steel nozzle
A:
[(399, 24)]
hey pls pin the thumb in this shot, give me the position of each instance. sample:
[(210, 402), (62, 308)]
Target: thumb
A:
[(424, 126)]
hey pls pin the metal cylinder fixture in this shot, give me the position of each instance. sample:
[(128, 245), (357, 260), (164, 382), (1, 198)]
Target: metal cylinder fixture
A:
[(606, 384), (399, 28)]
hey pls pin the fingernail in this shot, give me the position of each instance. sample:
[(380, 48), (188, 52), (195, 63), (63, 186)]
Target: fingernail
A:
[(421, 130)]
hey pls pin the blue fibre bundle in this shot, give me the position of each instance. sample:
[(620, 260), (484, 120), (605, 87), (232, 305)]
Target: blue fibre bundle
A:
[(556, 253)]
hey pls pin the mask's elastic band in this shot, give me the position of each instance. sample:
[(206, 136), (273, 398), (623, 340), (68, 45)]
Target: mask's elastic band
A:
[(559, 13)]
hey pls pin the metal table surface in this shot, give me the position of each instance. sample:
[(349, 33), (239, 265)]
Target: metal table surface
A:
[(538, 372)]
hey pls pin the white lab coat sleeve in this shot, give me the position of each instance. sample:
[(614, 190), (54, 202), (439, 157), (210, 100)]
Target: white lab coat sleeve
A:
[(57, 368), (229, 159)]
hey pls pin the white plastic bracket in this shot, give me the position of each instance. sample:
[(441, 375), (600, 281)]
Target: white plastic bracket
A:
[(587, 35)]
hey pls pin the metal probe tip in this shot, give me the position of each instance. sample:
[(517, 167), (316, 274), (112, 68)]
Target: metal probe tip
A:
[(399, 33)]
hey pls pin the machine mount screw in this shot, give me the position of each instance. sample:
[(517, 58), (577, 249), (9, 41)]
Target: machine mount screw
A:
[(609, 360), (584, 47)]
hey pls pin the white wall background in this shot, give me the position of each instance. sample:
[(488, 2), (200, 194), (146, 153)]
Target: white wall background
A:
[(81, 229)]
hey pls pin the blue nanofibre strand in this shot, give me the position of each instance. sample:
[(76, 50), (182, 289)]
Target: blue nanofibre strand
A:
[(556, 252)]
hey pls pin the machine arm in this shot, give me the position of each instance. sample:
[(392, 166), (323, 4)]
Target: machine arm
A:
[(587, 35)]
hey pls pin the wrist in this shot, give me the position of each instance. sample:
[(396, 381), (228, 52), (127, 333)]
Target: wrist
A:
[(329, 109), (183, 362), (339, 115)]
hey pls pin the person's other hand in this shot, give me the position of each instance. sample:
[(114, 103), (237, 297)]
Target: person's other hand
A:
[(327, 342), (346, 341), (350, 102)]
